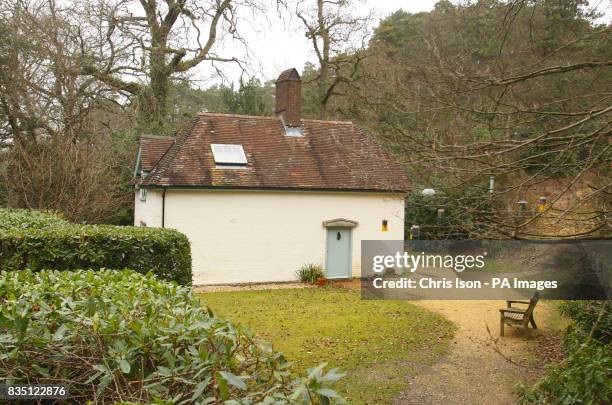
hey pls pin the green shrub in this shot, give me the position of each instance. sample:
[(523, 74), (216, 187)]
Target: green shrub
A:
[(40, 241), (583, 377), (122, 336), (586, 314), (28, 219), (309, 273)]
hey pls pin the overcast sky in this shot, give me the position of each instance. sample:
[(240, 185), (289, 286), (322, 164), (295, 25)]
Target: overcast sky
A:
[(282, 47), (277, 45)]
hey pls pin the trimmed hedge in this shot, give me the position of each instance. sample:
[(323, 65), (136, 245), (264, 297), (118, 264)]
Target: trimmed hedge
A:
[(37, 241), (121, 336), (28, 219)]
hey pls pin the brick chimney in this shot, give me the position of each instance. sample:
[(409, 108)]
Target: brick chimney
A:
[(288, 97)]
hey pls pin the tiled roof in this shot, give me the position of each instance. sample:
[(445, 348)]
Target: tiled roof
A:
[(152, 149), (330, 155)]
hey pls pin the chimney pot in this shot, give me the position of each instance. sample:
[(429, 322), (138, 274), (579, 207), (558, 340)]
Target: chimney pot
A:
[(288, 97)]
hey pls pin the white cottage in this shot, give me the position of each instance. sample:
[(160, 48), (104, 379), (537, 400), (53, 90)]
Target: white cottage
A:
[(258, 197)]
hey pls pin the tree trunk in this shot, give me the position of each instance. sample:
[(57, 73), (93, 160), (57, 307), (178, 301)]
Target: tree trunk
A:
[(324, 62), (153, 109)]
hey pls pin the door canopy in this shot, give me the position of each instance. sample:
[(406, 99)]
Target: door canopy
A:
[(339, 223)]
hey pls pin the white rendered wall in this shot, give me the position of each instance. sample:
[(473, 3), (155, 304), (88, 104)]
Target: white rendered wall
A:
[(148, 212), (262, 236)]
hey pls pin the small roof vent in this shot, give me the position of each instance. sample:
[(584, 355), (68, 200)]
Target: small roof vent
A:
[(293, 131), (225, 154)]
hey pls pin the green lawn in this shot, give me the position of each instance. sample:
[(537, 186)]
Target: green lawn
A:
[(378, 343)]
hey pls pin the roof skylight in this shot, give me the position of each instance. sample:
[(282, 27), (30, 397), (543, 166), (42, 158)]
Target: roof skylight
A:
[(225, 154)]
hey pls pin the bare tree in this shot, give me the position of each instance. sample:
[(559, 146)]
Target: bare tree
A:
[(42, 93), (339, 37), (144, 44), (87, 182), (495, 90), (54, 151)]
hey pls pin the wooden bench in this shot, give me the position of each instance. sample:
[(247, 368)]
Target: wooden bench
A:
[(517, 316)]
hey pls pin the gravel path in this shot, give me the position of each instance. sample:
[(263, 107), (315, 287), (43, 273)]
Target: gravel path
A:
[(473, 372)]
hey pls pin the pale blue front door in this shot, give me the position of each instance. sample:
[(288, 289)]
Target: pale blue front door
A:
[(338, 254)]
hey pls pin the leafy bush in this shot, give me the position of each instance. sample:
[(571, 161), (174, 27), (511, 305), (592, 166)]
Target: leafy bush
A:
[(34, 240), (27, 219), (586, 315), (309, 273), (583, 377), (122, 336)]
